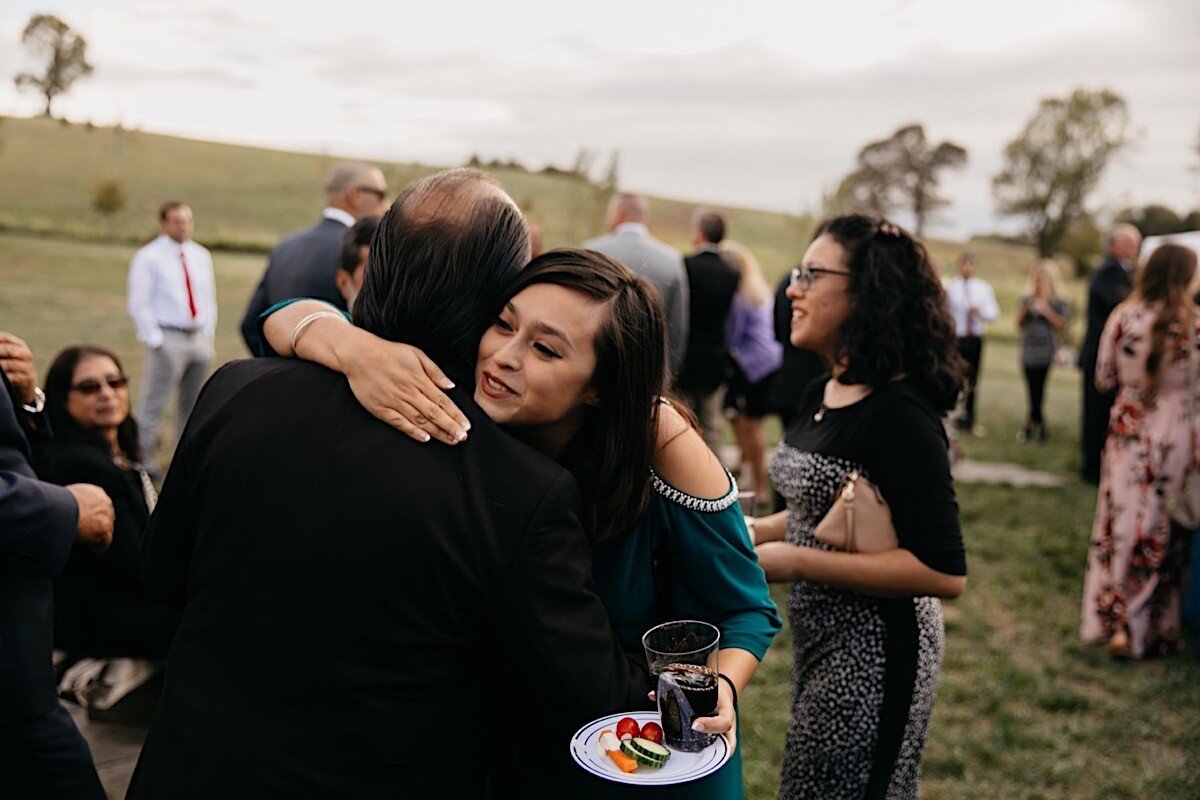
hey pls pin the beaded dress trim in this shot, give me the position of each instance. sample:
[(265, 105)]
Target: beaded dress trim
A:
[(692, 502)]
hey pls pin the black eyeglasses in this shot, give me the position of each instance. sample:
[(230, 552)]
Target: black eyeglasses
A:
[(91, 387), (804, 275), (379, 193)]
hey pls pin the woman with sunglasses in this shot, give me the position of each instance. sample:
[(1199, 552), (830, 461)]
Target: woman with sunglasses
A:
[(101, 610), (866, 627)]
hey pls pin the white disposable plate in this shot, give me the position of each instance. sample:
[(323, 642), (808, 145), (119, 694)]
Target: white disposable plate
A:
[(681, 768)]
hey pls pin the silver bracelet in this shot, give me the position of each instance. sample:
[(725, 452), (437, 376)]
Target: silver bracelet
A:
[(39, 401), (303, 324)]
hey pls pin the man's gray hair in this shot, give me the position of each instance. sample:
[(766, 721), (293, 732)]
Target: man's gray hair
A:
[(345, 176), (1124, 229)]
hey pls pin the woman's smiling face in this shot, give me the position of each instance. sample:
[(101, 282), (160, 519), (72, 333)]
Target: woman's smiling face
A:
[(537, 359)]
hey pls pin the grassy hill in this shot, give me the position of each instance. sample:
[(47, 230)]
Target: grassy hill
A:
[(245, 198)]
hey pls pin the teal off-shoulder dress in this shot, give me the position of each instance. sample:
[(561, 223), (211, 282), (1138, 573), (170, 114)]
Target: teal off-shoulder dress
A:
[(711, 574)]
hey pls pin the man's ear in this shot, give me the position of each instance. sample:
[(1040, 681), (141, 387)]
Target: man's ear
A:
[(342, 278)]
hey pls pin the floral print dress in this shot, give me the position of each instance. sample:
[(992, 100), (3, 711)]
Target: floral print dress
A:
[(1135, 565)]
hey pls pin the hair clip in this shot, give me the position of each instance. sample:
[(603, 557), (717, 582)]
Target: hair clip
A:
[(890, 229)]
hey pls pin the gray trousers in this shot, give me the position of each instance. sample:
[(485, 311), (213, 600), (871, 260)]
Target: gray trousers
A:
[(181, 361)]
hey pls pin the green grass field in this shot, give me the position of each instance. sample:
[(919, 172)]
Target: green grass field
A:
[(1024, 711)]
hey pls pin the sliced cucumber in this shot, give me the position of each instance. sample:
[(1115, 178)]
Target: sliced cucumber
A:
[(650, 749), (645, 752)]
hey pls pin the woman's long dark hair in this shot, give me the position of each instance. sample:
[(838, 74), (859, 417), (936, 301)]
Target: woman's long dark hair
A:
[(611, 454), (66, 428), (1165, 282), (899, 322)]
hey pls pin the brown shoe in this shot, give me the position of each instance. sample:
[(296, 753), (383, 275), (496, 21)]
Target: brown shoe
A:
[(1118, 645)]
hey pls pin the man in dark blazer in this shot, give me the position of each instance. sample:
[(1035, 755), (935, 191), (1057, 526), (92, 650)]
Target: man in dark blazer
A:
[(712, 283), (1111, 283), (41, 751), (367, 616), (304, 264)]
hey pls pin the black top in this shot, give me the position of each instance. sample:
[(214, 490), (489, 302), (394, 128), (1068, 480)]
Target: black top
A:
[(897, 438), (1109, 287), (101, 609), (711, 286), (303, 264), (38, 525), (356, 602)]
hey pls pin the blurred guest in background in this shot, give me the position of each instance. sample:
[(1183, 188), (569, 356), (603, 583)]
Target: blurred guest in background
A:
[(41, 751), (101, 610), (1042, 320), (352, 258), (972, 305), (756, 357), (304, 264), (711, 286), (1111, 283), (173, 302), (1148, 352), (629, 242)]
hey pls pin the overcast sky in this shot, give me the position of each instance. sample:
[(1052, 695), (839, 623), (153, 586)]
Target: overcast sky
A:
[(753, 103)]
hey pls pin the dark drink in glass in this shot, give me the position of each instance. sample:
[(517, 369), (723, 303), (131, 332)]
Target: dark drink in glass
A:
[(685, 692)]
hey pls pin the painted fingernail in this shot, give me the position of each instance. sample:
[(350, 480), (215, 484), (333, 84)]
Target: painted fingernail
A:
[(424, 437), (447, 384), (696, 726), (462, 436), (467, 425)]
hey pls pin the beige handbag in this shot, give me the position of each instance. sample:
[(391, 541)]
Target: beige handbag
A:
[(859, 521)]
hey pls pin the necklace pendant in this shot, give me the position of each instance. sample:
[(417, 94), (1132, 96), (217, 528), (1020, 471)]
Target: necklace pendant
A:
[(820, 415)]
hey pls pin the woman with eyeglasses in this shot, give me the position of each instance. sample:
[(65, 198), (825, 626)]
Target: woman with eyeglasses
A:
[(101, 610), (866, 627)]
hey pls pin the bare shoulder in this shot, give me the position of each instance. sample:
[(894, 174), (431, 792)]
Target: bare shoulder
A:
[(683, 460)]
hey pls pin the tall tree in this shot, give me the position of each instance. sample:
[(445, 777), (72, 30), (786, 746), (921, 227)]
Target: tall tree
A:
[(901, 172), (65, 54), (1057, 160)]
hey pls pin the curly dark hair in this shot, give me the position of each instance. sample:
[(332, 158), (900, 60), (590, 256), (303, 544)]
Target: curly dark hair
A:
[(899, 322)]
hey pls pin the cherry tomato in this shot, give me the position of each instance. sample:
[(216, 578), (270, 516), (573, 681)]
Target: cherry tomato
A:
[(653, 732), (627, 728)]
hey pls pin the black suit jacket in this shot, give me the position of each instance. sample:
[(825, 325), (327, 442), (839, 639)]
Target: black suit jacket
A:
[(799, 368), (711, 286), (38, 523), (303, 264), (101, 608), (1109, 287), (356, 602)]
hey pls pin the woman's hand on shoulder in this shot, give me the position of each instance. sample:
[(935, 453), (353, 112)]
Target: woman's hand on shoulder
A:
[(399, 384), (682, 459)]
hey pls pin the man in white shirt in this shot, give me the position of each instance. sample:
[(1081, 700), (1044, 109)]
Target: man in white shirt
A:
[(972, 305), (173, 302)]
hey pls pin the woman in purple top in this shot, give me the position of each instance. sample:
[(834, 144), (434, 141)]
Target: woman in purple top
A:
[(757, 355)]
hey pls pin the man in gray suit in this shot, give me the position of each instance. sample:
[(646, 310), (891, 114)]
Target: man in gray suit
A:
[(630, 243), (304, 264)]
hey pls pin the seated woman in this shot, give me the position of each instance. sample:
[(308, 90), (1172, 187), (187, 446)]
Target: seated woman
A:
[(101, 611), (573, 364)]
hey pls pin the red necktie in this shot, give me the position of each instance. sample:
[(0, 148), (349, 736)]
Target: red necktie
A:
[(187, 281)]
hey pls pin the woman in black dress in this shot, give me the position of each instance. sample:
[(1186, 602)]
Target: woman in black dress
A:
[(867, 627), (101, 610)]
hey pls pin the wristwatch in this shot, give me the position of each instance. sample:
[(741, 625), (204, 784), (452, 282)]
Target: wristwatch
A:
[(39, 401)]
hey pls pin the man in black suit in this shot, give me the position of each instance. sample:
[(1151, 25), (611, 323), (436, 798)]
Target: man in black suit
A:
[(41, 751), (712, 283), (304, 264), (366, 616), (1111, 283)]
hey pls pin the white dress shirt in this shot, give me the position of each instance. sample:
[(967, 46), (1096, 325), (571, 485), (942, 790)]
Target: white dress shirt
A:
[(157, 296), (329, 212), (973, 293)]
